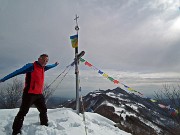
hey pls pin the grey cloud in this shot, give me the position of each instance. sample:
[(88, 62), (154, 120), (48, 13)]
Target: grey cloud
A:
[(126, 35)]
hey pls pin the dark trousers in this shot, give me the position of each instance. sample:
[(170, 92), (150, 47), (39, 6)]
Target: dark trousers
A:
[(27, 101)]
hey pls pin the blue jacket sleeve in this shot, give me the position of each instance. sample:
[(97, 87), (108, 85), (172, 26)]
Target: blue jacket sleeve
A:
[(27, 68), (49, 67)]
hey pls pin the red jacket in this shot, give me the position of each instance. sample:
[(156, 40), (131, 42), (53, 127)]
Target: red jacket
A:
[(34, 81), (37, 79)]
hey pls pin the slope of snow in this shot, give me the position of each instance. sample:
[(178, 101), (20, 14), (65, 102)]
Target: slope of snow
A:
[(62, 121)]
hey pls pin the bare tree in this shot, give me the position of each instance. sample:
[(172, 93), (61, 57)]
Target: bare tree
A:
[(170, 95), (10, 95)]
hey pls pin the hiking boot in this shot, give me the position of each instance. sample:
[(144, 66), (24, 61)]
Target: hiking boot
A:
[(17, 125), (16, 133), (43, 119), (44, 124)]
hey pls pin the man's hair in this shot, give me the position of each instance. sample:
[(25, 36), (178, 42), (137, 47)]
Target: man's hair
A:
[(43, 55)]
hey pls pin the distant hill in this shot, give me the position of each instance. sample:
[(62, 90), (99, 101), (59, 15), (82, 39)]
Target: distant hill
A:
[(54, 102), (130, 112)]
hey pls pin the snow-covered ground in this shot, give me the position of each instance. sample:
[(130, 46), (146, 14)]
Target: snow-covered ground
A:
[(62, 121)]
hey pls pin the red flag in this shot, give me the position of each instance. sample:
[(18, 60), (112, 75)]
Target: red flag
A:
[(88, 64), (116, 81)]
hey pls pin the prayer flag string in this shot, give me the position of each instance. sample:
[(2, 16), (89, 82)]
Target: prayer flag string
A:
[(172, 111)]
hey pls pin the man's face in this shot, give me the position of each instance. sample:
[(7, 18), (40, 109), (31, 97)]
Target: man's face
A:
[(43, 60)]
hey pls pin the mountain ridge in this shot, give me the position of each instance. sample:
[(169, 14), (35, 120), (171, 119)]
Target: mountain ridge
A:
[(130, 112)]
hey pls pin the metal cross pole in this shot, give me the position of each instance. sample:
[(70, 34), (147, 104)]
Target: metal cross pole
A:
[(77, 70)]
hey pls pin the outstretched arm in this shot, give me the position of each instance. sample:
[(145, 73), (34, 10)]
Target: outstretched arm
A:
[(50, 66), (24, 69)]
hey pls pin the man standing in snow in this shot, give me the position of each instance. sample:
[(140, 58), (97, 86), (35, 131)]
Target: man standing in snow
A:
[(33, 91)]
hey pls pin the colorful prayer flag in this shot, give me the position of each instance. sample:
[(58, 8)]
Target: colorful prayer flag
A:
[(82, 60), (111, 79), (130, 89), (116, 81), (140, 93), (152, 100), (177, 111), (74, 41), (105, 75), (100, 72), (88, 64), (125, 86), (172, 111), (162, 106)]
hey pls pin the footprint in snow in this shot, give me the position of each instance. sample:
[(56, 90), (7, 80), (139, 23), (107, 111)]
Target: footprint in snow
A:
[(59, 127), (75, 124), (62, 120)]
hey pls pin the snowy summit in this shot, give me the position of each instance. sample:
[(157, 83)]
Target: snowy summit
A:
[(62, 121)]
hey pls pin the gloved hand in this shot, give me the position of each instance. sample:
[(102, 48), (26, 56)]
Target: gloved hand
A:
[(57, 63)]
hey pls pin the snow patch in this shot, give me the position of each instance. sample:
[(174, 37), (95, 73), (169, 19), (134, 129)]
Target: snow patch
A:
[(62, 121)]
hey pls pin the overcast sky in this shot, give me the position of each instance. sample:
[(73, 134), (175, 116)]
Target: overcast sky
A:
[(135, 41)]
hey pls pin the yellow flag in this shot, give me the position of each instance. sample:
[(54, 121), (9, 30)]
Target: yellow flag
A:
[(74, 41)]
